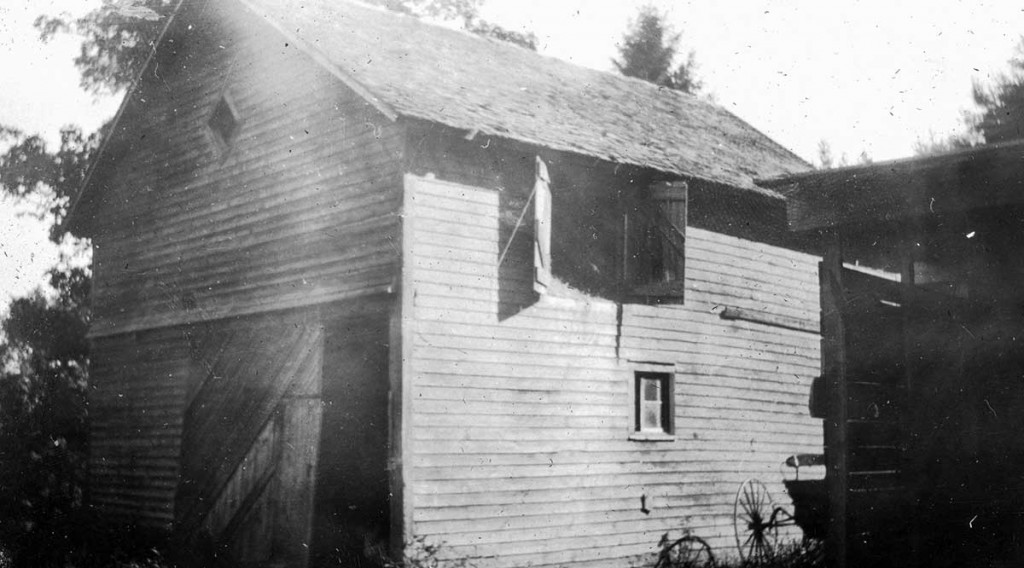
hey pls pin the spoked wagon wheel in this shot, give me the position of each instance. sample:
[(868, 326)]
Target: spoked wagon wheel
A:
[(756, 532), (687, 552)]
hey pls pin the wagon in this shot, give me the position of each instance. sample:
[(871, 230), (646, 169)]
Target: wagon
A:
[(757, 517)]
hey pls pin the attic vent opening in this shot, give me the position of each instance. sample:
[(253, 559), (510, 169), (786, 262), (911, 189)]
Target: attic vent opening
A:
[(224, 121)]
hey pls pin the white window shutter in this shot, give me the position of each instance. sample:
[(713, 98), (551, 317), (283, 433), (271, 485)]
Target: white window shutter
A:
[(541, 229)]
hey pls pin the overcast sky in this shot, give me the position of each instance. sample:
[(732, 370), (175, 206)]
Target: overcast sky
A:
[(871, 75)]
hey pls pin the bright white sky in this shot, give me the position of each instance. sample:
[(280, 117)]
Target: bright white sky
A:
[(869, 75)]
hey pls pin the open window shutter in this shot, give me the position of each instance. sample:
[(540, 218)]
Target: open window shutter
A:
[(655, 247), (541, 229), (671, 199)]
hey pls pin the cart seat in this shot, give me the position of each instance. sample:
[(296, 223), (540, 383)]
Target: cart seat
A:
[(804, 460)]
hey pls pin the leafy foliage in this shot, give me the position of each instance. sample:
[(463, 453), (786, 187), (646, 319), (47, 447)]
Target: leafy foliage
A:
[(1002, 103), (468, 11), (117, 39), (43, 433), (28, 170), (827, 160), (487, 29), (440, 9), (1000, 114), (648, 51), (934, 145), (421, 553)]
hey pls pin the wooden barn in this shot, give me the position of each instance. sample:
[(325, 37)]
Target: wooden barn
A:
[(922, 304), (362, 282)]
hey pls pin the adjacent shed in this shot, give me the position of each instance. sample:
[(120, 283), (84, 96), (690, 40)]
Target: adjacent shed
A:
[(921, 355), (361, 280)]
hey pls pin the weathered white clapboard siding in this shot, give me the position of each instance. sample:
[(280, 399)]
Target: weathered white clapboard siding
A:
[(299, 210), (520, 423)]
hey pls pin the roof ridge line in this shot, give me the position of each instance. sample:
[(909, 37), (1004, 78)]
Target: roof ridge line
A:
[(321, 59)]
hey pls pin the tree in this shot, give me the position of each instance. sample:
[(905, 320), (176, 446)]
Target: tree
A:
[(1002, 103), (29, 171), (43, 434), (466, 10), (117, 38), (827, 160), (487, 29), (43, 368), (951, 143), (440, 9), (649, 50)]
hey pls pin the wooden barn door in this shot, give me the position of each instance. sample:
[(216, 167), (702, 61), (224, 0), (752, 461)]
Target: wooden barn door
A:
[(863, 356), (251, 439)]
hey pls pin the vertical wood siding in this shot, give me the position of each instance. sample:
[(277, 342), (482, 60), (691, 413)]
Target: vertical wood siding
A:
[(251, 440), (250, 368), (297, 210), (521, 414)]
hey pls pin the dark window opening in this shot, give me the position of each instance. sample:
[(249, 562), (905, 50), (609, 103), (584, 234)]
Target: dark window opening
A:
[(655, 242), (224, 121), (654, 403)]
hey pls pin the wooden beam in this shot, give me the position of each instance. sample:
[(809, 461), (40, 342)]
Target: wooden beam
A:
[(833, 358), (400, 392), (774, 320), (907, 278), (977, 178)]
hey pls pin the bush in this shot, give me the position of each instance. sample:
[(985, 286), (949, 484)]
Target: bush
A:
[(83, 539), (796, 554)]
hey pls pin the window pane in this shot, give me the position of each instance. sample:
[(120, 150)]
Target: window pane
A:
[(652, 389), (650, 417)]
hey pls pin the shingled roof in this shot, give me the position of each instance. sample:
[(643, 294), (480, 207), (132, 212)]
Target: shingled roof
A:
[(461, 80)]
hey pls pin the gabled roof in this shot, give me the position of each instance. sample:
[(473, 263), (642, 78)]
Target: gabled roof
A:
[(409, 68), (478, 84)]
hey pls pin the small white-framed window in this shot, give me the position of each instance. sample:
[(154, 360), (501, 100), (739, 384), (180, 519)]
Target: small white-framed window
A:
[(653, 405)]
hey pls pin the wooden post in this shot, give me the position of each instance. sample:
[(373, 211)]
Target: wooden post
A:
[(396, 481), (833, 354), (399, 391), (909, 467)]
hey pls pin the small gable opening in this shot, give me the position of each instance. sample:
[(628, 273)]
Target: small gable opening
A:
[(224, 121)]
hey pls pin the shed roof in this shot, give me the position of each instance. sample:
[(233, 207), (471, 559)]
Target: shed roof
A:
[(987, 176), (470, 82)]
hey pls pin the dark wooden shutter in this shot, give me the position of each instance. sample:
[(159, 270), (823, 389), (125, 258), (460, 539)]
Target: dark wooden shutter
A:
[(656, 242), (671, 200)]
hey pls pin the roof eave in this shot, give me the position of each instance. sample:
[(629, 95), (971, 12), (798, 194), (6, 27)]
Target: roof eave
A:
[(70, 222)]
